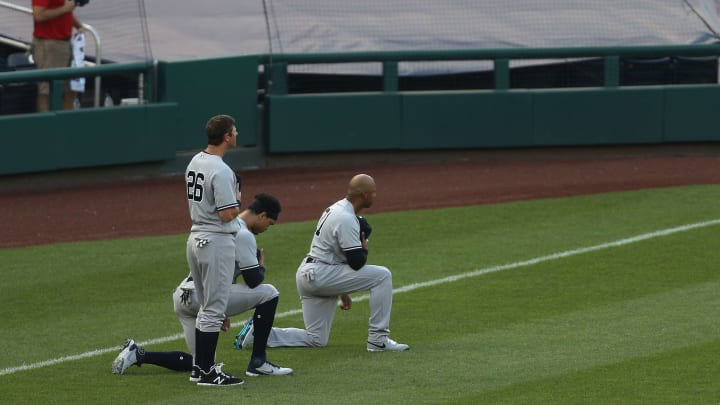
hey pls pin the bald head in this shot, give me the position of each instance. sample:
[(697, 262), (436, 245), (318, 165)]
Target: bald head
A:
[(361, 191), (361, 183)]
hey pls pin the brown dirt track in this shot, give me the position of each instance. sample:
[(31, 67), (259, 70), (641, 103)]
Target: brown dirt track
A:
[(64, 209)]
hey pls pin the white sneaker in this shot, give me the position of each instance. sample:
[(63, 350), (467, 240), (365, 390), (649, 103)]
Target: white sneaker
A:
[(388, 345), (266, 368), (126, 358)]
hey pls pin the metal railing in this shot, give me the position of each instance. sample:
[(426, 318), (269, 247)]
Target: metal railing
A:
[(277, 64), (86, 27), (145, 70)]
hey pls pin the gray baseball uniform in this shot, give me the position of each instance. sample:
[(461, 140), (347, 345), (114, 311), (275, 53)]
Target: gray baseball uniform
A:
[(241, 297), (324, 275), (210, 246)]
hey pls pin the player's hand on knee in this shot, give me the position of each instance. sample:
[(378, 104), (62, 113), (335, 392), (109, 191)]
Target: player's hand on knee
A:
[(345, 302)]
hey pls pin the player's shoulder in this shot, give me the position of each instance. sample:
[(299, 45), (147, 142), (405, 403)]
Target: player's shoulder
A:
[(209, 161), (244, 235), (342, 207), (344, 221), (201, 162), (345, 210), (223, 171)]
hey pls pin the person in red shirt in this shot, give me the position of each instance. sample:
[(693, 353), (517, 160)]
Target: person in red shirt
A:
[(51, 47)]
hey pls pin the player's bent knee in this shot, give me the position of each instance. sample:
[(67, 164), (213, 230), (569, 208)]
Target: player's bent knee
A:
[(385, 273), (318, 341), (268, 291), (272, 291)]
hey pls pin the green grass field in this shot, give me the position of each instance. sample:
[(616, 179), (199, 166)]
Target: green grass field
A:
[(611, 298)]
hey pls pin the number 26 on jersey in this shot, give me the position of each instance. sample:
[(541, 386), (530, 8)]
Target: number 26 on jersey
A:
[(195, 182)]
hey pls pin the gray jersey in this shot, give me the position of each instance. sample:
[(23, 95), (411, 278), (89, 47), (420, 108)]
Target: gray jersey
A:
[(320, 281), (337, 231), (245, 249), (206, 169)]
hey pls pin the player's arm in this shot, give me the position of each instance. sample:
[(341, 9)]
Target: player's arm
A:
[(356, 258), (252, 275), (356, 251), (228, 214), (249, 260), (230, 211), (256, 275), (42, 14)]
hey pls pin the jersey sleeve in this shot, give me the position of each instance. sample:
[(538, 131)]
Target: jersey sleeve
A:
[(246, 251), (348, 233), (224, 188)]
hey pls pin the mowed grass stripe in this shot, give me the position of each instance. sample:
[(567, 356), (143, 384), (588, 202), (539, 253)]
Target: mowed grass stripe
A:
[(587, 339), (97, 303), (686, 375), (412, 287), (461, 364), (461, 349)]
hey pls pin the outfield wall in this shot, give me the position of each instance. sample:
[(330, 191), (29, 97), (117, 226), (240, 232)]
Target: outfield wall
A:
[(180, 96), (480, 119)]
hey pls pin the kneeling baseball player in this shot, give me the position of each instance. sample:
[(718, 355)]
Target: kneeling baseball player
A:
[(335, 267), (253, 293)]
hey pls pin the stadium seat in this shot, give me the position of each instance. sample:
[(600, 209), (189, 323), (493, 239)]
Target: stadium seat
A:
[(18, 98), (19, 61)]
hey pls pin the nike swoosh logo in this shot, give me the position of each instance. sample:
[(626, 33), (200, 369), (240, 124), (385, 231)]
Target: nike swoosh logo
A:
[(377, 345), (266, 371)]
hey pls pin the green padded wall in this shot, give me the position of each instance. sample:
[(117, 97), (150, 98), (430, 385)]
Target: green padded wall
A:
[(598, 116), (690, 112), (28, 143), (88, 137), (203, 88), (436, 120), (487, 119), (344, 122)]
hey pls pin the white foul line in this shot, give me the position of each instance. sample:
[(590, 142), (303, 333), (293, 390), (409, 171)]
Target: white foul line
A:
[(407, 288)]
